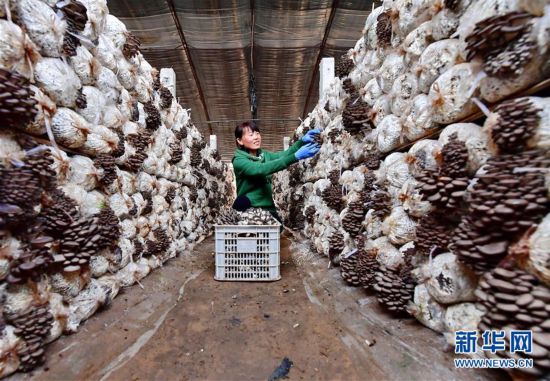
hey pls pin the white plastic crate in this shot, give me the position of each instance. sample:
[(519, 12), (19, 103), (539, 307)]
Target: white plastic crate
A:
[(247, 253)]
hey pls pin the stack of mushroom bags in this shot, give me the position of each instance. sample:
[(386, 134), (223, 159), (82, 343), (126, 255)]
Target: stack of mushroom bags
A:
[(125, 182), (435, 230)]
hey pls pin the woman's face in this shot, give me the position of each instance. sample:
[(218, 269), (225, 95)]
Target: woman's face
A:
[(251, 140)]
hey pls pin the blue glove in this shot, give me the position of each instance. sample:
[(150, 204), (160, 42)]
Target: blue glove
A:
[(309, 137), (307, 151)]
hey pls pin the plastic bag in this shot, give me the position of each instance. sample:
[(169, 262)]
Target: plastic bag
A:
[(17, 51), (95, 104), (43, 25), (475, 139), (451, 94), (128, 228), (69, 285), (99, 265), (427, 311), (538, 259), (462, 317), (120, 203), (388, 255), (100, 140), (483, 9), (106, 53), (405, 88), (97, 11), (112, 118), (372, 92), (60, 314), (445, 23), (116, 31), (108, 83), (393, 66), (437, 59), (69, 128), (58, 80), (83, 172), (381, 109), (133, 272), (417, 41), (411, 14), (9, 344), (85, 65), (412, 200), (399, 227), (370, 28), (389, 133), (419, 120), (18, 298), (493, 89), (397, 169), (448, 281), (127, 74), (425, 155), (86, 303)]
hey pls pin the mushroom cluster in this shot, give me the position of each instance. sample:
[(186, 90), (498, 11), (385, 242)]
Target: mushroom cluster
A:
[(446, 187), (380, 202), (367, 266), (433, 234), (356, 115), (353, 219), (153, 119), (512, 299), (32, 263), (336, 246), (344, 65), (108, 167), (394, 288), (503, 42), (165, 97), (516, 123), (332, 195), (384, 29), (348, 268), (131, 46), (17, 104), (33, 326)]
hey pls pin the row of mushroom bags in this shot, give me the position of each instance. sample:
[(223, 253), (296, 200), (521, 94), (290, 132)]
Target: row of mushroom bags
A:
[(124, 182), (439, 217)]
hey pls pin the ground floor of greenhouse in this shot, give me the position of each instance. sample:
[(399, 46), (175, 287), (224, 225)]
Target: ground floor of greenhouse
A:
[(181, 324)]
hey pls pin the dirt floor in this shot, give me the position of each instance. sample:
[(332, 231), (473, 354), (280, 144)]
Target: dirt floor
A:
[(184, 325)]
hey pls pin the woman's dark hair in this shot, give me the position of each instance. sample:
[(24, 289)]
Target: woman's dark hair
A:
[(239, 130)]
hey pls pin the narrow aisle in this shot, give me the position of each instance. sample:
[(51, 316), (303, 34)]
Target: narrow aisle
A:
[(186, 326), (242, 331)]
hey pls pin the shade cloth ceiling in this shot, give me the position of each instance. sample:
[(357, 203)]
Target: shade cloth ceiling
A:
[(221, 49)]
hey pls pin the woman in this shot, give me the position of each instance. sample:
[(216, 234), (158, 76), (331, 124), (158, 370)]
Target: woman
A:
[(253, 166)]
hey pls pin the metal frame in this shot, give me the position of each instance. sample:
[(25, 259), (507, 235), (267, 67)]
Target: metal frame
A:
[(170, 4)]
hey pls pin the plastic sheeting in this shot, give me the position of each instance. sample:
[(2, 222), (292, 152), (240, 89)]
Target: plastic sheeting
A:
[(285, 44)]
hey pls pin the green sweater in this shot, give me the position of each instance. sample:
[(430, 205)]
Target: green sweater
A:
[(253, 173)]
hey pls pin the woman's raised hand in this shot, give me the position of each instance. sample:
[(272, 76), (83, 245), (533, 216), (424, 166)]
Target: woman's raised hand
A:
[(310, 136), (307, 151)]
